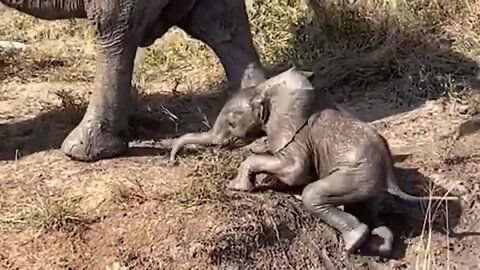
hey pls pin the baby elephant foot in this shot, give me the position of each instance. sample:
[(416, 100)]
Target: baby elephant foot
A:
[(91, 141), (381, 241), (240, 184), (355, 238)]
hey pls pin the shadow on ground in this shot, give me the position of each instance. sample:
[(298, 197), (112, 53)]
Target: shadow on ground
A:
[(158, 116), (407, 219)]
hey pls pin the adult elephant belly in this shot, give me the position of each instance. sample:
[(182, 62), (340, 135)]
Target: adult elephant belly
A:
[(170, 14), (124, 25)]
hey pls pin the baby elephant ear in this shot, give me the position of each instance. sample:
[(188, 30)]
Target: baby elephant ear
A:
[(290, 97)]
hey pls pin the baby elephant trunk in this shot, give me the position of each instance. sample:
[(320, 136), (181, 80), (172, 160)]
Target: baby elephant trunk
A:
[(202, 138)]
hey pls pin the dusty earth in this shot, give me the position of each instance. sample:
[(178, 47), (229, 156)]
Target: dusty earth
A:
[(139, 212)]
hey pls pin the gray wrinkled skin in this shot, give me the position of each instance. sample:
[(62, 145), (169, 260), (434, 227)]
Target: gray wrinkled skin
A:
[(124, 25), (338, 159)]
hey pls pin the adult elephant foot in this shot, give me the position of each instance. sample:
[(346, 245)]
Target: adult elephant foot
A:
[(91, 141), (101, 133)]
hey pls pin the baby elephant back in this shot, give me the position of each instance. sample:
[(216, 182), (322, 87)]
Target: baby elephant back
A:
[(291, 99)]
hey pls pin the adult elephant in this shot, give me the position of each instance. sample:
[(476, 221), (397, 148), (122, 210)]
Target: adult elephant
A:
[(124, 25)]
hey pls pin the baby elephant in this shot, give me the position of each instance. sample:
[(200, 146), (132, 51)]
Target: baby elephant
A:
[(339, 159)]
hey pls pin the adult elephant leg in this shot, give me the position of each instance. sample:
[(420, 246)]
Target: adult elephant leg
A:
[(101, 133), (223, 25)]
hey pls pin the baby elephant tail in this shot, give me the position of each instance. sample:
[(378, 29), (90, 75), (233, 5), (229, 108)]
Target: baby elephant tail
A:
[(392, 184), (394, 189)]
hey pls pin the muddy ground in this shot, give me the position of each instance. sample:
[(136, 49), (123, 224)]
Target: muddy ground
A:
[(139, 212)]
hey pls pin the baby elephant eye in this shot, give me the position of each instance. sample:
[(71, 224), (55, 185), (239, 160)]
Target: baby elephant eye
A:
[(232, 124)]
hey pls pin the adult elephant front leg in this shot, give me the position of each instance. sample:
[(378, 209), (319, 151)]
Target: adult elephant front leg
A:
[(223, 25), (101, 133)]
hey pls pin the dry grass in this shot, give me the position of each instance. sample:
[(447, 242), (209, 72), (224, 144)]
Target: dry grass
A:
[(44, 212), (409, 51), (121, 193), (211, 172)]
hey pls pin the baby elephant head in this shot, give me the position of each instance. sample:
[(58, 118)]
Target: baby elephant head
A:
[(238, 124), (279, 107)]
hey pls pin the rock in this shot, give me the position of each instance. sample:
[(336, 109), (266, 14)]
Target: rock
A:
[(11, 46)]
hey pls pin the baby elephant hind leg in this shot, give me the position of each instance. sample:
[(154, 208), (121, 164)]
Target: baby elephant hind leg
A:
[(381, 237), (340, 188)]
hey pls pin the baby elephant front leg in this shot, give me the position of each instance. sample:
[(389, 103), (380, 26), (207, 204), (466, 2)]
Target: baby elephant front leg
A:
[(244, 181)]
